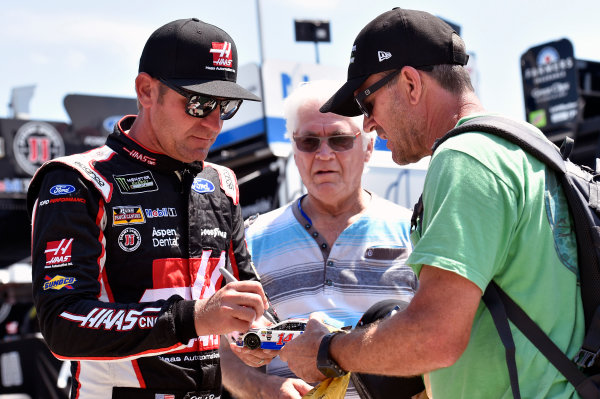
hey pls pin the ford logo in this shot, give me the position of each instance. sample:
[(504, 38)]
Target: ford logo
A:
[(202, 186), (62, 189)]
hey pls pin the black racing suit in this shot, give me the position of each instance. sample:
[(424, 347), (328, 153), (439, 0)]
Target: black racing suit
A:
[(124, 239)]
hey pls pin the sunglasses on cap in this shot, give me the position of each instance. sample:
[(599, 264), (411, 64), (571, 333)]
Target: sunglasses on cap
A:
[(337, 142), (200, 106), (367, 109)]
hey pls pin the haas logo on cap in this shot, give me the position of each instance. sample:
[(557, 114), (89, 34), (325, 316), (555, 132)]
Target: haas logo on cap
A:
[(222, 54)]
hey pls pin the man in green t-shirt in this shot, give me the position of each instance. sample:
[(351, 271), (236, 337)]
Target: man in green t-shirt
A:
[(491, 212)]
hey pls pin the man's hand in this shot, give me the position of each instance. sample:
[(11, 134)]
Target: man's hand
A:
[(284, 388), (232, 308), (301, 352), (252, 383), (431, 333), (253, 357)]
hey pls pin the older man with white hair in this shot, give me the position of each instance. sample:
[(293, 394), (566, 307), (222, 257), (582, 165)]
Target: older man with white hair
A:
[(337, 250)]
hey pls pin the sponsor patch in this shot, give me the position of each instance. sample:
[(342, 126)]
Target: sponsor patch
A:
[(83, 163), (62, 189), (135, 183), (160, 213), (114, 319), (128, 215), (213, 232), (201, 185), (61, 200), (227, 181), (59, 282), (165, 237), (222, 55), (129, 239), (140, 157), (58, 253)]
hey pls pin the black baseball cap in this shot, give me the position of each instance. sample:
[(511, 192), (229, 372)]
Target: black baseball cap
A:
[(394, 39), (195, 56)]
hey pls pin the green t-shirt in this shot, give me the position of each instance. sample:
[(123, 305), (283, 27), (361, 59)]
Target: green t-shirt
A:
[(491, 211)]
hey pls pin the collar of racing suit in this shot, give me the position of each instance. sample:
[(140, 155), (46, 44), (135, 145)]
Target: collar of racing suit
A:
[(120, 142)]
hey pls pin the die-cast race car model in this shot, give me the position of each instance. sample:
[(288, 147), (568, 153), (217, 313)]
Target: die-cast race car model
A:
[(272, 337)]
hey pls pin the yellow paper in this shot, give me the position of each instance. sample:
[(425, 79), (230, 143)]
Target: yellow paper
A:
[(331, 388)]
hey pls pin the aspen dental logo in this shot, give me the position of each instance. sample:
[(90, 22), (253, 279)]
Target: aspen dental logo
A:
[(222, 56), (59, 282)]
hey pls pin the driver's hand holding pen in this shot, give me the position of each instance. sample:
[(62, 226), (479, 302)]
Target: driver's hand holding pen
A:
[(252, 357)]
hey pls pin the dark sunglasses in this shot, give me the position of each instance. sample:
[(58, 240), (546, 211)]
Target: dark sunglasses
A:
[(367, 109), (200, 106), (338, 142)]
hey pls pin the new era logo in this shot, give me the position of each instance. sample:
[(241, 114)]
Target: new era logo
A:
[(384, 55), (221, 54)]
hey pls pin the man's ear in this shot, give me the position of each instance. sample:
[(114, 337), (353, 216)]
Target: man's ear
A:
[(144, 85), (412, 84)]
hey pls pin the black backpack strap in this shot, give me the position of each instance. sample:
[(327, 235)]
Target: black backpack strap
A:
[(492, 300), (417, 214), (516, 132), (590, 350), (498, 299)]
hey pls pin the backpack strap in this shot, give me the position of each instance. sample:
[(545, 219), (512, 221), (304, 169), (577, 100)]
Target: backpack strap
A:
[(516, 132), (492, 300), (503, 308), (590, 350)]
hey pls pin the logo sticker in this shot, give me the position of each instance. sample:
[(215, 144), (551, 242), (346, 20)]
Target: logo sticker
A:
[(547, 55), (140, 157), (58, 253), (135, 183), (36, 143), (171, 238), (62, 200), (130, 239), (214, 232), (114, 319), (128, 215), (222, 56), (62, 189), (201, 185), (160, 213), (383, 55), (59, 282)]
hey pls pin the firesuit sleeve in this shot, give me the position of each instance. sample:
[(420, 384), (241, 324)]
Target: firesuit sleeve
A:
[(78, 319)]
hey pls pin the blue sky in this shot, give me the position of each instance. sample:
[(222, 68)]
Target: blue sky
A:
[(85, 47)]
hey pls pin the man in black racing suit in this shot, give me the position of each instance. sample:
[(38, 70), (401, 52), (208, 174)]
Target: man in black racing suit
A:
[(128, 238)]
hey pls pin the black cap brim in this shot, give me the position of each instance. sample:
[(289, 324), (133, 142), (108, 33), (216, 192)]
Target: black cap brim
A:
[(342, 102), (216, 88)]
